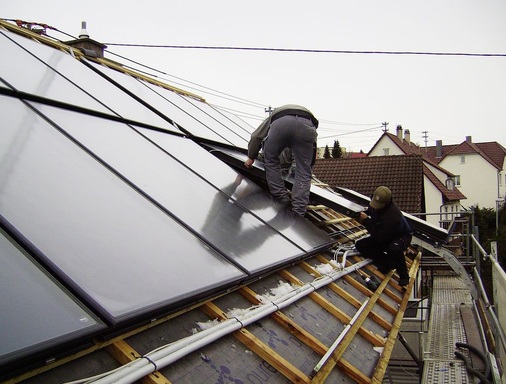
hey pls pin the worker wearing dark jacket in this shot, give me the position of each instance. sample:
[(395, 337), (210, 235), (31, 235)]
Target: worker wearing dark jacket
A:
[(290, 126), (390, 234)]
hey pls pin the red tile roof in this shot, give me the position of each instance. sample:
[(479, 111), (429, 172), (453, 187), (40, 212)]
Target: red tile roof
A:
[(493, 152), (448, 194), (402, 174)]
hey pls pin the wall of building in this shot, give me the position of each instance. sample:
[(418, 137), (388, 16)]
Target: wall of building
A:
[(433, 201), (478, 179), (385, 147)]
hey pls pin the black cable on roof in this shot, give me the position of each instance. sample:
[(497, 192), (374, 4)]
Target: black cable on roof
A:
[(311, 50)]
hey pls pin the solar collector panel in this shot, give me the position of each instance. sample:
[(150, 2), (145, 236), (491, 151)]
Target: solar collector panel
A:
[(185, 194), (43, 71), (36, 313), (114, 247)]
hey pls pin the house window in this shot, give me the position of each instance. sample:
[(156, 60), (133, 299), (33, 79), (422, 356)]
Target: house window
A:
[(462, 159), (386, 151), (457, 180)]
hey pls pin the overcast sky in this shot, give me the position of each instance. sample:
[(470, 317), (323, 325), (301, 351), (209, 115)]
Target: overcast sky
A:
[(436, 97)]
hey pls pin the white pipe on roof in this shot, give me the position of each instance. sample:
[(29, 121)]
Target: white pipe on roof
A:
[(170, 353)]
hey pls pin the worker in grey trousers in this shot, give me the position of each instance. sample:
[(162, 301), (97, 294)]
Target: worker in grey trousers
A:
[(290, 126)]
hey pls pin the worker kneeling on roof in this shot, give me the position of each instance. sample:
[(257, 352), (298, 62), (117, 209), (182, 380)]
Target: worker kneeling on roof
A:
[(390, 234)]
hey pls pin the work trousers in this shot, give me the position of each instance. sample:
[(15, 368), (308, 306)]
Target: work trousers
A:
[(299, 134), (386, 256)]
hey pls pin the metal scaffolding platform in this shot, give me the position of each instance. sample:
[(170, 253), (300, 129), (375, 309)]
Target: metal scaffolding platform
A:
[(450, 298)]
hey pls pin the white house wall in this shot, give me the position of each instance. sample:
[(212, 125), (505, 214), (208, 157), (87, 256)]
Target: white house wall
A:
[(433, 201), (502, 183), (441, 175), (478, 179), (385, 147)]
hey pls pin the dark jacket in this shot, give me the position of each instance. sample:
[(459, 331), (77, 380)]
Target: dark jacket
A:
[(387, 224)]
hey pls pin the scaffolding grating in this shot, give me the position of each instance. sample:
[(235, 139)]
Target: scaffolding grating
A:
[(445, 329)]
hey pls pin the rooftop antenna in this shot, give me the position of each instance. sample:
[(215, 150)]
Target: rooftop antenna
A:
[(84, 32)]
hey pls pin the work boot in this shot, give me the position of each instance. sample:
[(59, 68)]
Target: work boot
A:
[(403, 281)]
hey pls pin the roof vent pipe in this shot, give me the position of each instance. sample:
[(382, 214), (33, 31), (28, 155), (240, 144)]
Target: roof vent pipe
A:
[(84, 32)]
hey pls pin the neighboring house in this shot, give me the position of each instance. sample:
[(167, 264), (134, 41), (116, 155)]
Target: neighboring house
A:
[(479, 169), (441, 200), (464, 161), (416, 187)]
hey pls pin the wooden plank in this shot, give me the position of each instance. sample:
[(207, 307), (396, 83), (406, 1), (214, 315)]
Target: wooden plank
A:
[(261, 349), (315, 344), (125, 354), (353, 372), (352, 299), (283, 366), (489, 333), (374, 339), (295, 329), (349, 298), (323, 373), (389, 293), (382, 364)]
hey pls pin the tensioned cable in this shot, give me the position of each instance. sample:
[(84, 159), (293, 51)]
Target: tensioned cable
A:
[(349, 133), (229, 48), (233, 98)]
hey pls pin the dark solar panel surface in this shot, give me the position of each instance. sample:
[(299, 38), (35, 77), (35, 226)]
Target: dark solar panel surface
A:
[(133, 222)]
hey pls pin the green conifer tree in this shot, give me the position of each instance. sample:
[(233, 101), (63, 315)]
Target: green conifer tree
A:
[(336, 150), (326, 154)]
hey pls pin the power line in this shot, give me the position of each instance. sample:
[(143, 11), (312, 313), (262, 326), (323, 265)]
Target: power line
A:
[(229, 48), (349, 133)]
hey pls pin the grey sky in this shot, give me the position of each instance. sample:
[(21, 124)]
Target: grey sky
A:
[(449, 97)]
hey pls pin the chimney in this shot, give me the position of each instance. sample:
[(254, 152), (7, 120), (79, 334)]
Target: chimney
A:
[(399, 132), (439, 149), (89, 47), (469, 139), (407, 136)]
